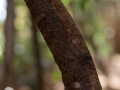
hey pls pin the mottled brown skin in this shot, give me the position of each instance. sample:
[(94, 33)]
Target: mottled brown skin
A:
[(66, 44)]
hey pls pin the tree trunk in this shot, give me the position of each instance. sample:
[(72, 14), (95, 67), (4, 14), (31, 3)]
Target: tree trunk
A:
[(66, 44), (8, 75), (39, 73)]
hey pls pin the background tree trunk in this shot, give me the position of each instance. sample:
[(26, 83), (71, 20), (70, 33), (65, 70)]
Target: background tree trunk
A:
[(66, 44), (39, 74), (8, 75)]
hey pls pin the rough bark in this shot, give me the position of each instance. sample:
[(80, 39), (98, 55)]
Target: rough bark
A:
[(8, 75), (38, 65), (66, 44)]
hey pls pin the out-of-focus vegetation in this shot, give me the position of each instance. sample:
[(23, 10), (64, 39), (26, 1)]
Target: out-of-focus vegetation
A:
[(97, 20)]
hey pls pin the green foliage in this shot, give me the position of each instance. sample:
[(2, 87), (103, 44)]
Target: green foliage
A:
[(56, 75), (2, 41), (65, 2), (88, 13)]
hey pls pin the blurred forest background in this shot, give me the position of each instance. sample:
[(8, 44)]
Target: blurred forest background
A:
[(25, 60)]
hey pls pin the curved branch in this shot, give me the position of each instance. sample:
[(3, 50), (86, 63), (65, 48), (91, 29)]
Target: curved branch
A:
[(66, 44)]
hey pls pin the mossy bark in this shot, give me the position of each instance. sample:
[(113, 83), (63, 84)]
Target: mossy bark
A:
[(66, 44)]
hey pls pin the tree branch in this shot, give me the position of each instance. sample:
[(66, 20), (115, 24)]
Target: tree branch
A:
[(66, 44)]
